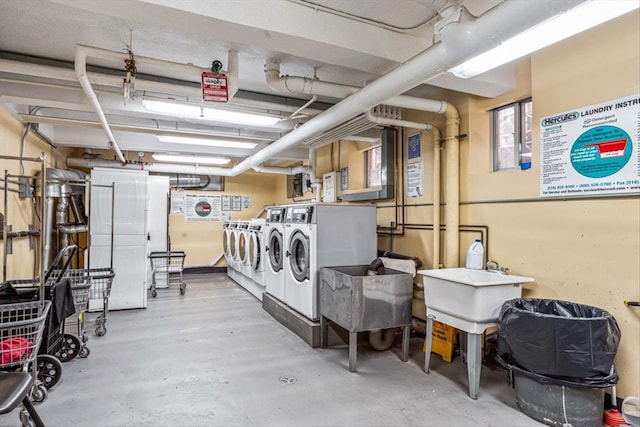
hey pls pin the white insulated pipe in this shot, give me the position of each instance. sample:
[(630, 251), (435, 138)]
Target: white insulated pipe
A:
[(396, 122), (151, 167), (336, 90), (80, 65), (452, 189), (435, 132)]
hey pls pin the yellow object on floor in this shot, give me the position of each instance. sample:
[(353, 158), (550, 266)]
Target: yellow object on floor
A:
[(442, 341)]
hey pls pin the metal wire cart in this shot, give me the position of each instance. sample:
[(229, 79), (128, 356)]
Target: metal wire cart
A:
[(86, 284), (21, 329), (170, 265)]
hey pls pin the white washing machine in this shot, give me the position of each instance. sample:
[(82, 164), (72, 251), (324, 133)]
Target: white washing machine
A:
[(324, 235), (226, 242), (274, 252), (242, 257), (232, 263), (256, 250)]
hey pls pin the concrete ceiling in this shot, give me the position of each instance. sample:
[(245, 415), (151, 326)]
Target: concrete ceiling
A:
[(351, 42)]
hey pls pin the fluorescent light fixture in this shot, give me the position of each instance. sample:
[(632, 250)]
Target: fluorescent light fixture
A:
[(560, 27), (199, 160), (207, 142), (207, 113)]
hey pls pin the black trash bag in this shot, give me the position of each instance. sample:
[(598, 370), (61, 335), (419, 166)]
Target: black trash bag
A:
[(598, 382), (558, 338)]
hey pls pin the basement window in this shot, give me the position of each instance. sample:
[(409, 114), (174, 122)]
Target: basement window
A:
[(373, 162), (511, 135)]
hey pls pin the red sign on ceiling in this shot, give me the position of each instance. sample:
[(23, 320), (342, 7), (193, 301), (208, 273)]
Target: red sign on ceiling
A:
[(214, 87)]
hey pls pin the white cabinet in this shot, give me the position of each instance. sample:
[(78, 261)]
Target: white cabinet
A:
[(130, 202)]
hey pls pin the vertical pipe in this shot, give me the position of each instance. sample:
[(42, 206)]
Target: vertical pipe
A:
[(47, 232), (452, 194), (436, 197), (4, 228), (43, 186)]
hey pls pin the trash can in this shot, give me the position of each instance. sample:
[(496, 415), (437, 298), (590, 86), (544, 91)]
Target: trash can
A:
[(557, 338), (561, 354)]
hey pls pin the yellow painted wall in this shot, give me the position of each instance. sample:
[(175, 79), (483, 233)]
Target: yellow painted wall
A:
[(21, 212), (202, 241), (586, 251)]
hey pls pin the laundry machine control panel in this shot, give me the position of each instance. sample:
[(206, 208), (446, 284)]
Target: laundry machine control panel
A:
[(301, 215), (276, 214)]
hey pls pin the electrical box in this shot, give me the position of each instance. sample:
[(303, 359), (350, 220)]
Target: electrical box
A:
[(329, 187), (294, 186)]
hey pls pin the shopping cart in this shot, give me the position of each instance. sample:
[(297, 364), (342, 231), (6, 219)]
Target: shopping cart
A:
[(21, 330), (170, 264)]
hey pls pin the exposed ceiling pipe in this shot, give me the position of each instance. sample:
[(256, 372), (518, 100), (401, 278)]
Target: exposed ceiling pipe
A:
[(81, 72), (151, 167), (395, 122), (336, 90), (509, 17), (283, 171), (80, 65), (142, 85)]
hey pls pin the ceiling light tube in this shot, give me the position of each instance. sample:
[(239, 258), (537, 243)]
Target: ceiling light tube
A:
[(191, 159), (207, 142), (560, 27), (207, 113)]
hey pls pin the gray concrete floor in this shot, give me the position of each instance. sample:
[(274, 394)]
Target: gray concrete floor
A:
[(215, 357)]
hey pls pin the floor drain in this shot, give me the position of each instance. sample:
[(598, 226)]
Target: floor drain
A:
[(287, 380)]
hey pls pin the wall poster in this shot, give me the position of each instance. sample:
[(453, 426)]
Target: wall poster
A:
[(415, 178), (202, 208), (591, 150), (236, 203)]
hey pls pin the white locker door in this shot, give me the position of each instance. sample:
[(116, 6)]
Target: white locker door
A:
[(158, 191)]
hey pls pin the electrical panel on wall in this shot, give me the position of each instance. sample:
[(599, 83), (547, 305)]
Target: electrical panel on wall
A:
[(298, 185)]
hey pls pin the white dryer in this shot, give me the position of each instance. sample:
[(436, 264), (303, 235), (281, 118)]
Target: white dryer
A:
[(256, 250), (274, 252), (324, 235)]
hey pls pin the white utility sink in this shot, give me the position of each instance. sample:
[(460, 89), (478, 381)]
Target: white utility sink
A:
[(469, 300), (472, 296)]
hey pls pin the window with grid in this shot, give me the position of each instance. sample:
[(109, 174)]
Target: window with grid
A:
[(511, 132)]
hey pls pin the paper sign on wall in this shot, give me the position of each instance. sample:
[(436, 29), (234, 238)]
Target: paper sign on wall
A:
[(415, 178), (591, 150), (202, 208)]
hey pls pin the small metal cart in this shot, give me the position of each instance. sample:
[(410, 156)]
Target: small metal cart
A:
[(101, 281), (170, 264), (21, 328)]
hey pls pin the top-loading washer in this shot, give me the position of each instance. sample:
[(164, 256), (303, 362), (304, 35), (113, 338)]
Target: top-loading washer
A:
[(274, 252), (324, 235)]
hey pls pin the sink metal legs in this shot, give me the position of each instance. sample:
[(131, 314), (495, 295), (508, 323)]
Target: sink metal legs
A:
[(353, 342), (474, 358)]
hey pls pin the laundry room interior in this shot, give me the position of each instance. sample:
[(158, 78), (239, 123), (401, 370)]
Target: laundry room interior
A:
[(320, 213)]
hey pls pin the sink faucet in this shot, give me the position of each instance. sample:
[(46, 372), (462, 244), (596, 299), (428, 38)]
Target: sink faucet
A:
[(494, 267)]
